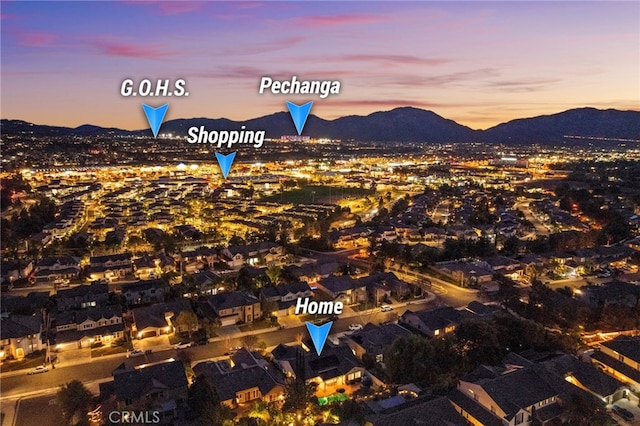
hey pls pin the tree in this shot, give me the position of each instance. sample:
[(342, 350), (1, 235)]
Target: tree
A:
[(210, 326), (249, 341), (74, 398), (244, 280), (583, 408), (236, 241), (187, 320), (479, 343), (274, 273), (268, 307), (205, 402)]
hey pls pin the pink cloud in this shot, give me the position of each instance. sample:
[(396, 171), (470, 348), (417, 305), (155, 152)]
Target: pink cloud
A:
[(388, 103), (34, 38), (250, 72), (170, 8), (402, 59), (132, 50), (263, 47), (331, 20)]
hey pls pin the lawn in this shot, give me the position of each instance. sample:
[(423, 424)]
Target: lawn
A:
[(336, 397), (318, 194)]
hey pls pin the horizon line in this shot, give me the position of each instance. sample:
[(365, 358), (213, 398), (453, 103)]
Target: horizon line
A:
[(325, 119)]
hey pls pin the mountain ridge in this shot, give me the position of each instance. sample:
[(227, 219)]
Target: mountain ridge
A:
[(401, 124)]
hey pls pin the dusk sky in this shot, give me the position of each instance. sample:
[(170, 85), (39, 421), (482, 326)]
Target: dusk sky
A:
[(479, 63)]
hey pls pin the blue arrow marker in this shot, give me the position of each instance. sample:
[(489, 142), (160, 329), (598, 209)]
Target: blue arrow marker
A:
[(225, 162), (299, 113), (319, 334), (155, 117)]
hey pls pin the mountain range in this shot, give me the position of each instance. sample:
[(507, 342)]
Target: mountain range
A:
[(405, 124)]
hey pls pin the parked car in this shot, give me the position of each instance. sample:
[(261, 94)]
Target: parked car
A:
[(202, 341), (386, 308), (39, 369), (182, 345), (134, 353), (355, 327), (623, 412)]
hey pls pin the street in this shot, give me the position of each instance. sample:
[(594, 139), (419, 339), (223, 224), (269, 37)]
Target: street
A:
[(524, 207), (97, 368)]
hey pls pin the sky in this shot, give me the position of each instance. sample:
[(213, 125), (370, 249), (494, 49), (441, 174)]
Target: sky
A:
[(478, 63)]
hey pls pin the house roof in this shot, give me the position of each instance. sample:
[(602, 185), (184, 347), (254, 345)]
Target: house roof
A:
[(474, 409), (625, 345), (48, 262), (143, 286), (621, 367), (283, 290), (481, 309), (154, 316), (435, 412), (12, 328), (438, 318), (134, 384), (375, 339), (247, 372), (333, 362), (84, 290), (338, 284), (586, 373), (519, 389), (75, 335), (232, 299), (111, 257), (31, 302), (93, 314)]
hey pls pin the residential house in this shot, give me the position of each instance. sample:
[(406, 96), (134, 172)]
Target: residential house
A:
[(382, 285), (235, 307), (20, 335), (336, 366), (506, 266), (350, 237), (264, 252), (433, 323), (620, 358), (374, 340), (55, 269), (83, 297), (466, 274), (205, 283), (416, 412), (531, 390), (30, 304), (243, 378), (15, 270), (83, 328), (161, 389), (146, 268), (344, 288), (198, 259), (110, 267), (285, 297), (144, 292), (512, 395), (158, 319)]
